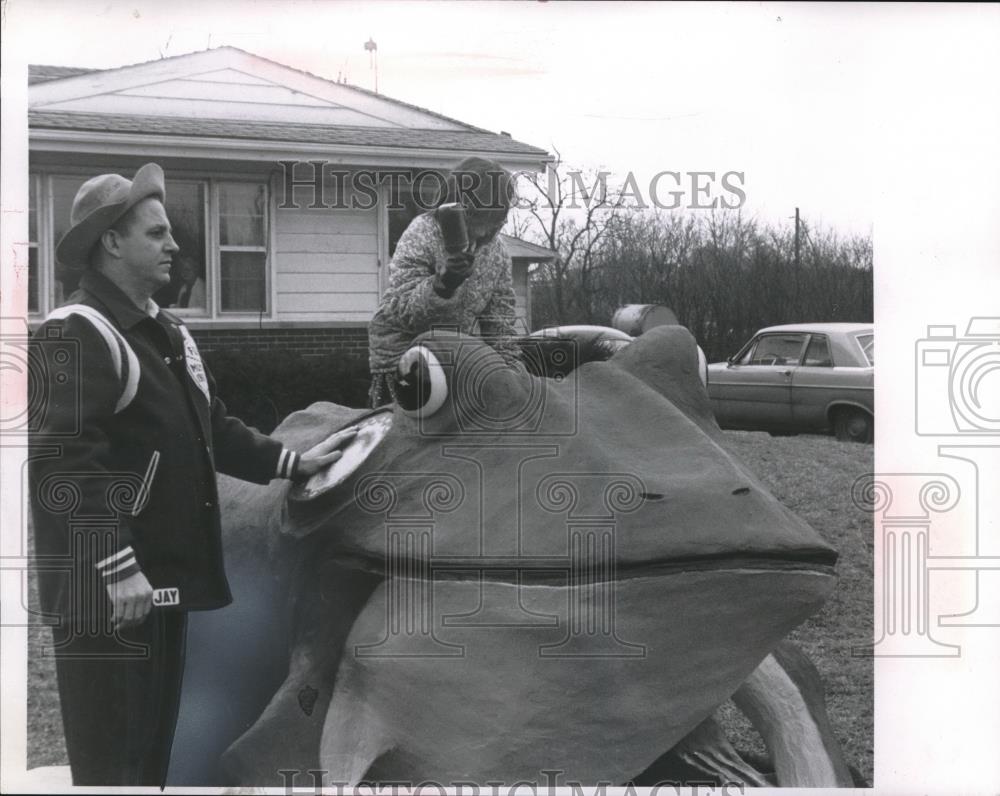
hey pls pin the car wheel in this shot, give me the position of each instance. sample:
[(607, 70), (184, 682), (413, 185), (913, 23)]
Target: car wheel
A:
[(854, 425)]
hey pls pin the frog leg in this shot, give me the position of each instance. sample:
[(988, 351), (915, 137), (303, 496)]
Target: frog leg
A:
[(784, 700), (286, 736)]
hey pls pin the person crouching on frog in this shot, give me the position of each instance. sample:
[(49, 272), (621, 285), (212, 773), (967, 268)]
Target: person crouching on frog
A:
[(435, 283)]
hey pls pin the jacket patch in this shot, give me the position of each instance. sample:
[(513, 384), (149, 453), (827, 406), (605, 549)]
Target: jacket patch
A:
[(195, 368), (169, 596)]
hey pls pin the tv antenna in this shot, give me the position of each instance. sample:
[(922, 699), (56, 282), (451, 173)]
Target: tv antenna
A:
[(372, 49)]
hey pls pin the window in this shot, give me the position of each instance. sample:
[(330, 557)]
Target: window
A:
[(242, 249), (867, 342), (221, 229), (62, 190), (776, 349), (818, 352), (187, 293), (403, 206), (33, 287)]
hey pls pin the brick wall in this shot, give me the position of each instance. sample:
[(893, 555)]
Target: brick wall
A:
[(308, 342)]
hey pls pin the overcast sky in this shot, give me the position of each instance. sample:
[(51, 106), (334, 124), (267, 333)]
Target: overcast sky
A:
[(785, 93)]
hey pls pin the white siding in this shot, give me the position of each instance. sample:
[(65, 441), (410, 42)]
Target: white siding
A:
[(326, 265), (229, 76)]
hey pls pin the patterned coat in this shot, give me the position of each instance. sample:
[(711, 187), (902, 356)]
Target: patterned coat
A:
[(483, 304)]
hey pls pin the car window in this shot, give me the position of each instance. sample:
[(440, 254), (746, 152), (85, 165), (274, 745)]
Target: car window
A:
[(867, 342), (818, 352), (775, 349)]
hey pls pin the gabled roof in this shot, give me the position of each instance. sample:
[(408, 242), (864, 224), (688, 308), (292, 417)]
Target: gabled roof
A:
[(522, 249), (406, 138), (232, 94), (38, 73)]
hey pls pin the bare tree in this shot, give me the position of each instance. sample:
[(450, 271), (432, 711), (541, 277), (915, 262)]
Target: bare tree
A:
[(723, 274), (572, 220)]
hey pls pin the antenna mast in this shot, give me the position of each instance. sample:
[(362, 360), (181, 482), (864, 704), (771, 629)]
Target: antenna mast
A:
[(372, 49)]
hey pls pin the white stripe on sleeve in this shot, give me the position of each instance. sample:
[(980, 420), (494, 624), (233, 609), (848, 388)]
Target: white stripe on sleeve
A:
[(112, 558)]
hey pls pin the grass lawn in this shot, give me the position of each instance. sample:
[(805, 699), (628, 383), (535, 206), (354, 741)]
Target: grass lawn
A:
[(812, 475)]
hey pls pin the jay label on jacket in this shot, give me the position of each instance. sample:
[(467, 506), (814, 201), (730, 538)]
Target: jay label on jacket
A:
[(168, 596), (195, 368)]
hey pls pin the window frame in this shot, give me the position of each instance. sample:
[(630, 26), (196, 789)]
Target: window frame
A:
[(206, 217), (217, 247), (37, 244), (746, 360), (829, 350), (870, 359), (213, 313)]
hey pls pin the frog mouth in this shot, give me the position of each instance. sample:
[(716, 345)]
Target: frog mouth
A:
[(560, 570)]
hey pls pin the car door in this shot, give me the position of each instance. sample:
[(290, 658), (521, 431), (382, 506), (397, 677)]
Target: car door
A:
[(814, 384), (756, 391)]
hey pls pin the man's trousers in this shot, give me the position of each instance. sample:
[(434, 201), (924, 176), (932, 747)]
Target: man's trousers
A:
[(120, 697)]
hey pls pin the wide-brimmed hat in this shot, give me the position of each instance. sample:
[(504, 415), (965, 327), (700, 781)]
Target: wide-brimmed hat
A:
[(99, 203)]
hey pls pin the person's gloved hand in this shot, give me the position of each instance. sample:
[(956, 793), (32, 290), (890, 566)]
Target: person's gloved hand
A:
[(451, 273)]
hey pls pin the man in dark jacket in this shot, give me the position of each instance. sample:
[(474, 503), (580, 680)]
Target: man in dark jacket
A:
[(129, 434)]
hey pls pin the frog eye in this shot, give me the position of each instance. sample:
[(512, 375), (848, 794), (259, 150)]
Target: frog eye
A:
[(421, 387)]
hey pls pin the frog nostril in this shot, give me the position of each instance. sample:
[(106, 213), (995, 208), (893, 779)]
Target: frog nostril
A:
[(743, 490)]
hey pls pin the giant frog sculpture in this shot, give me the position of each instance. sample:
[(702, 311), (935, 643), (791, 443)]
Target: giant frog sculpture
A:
[(508, 576)]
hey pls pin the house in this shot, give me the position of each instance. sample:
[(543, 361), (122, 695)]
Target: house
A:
[(287, 191)]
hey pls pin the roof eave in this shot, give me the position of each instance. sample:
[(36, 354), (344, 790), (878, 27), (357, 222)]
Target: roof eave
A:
[(179, 146)]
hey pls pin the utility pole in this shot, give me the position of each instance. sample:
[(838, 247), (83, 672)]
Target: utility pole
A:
[(798, 276), (796, 239)]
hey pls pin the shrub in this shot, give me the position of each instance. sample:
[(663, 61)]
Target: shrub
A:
[(263, 387)]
